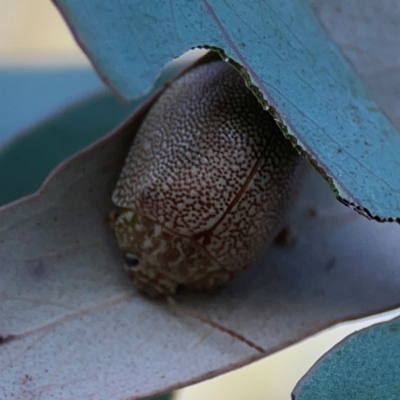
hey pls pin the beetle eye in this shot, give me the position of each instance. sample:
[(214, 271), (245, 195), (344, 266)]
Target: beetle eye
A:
[(180, 289), (131, 260)]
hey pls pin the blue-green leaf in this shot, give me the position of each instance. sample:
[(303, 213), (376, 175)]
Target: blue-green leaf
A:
[(34, 153), (365, 365), (319, 101), (30, 94)]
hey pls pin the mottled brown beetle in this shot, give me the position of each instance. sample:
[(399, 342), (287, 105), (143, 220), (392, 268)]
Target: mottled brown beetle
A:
[(206, 185)]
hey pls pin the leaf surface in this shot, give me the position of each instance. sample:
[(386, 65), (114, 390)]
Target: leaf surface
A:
[(367, 34), (290, 63), (73, 327), (365, 365)]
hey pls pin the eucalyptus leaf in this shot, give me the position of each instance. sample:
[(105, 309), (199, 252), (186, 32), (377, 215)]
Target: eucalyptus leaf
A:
[(365, 365), (30, 94), (368, 33), (72, 326), (287, 59), (34, 153)]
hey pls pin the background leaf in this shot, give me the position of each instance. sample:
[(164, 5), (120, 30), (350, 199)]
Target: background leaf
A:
[(30, 94), (66, 302), (34, 153), (365, 365)]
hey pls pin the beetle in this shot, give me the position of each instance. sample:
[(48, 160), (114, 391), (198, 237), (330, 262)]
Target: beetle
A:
[(206, 185)]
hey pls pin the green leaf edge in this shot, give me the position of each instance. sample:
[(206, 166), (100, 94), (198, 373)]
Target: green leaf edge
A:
[(326, 378)]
